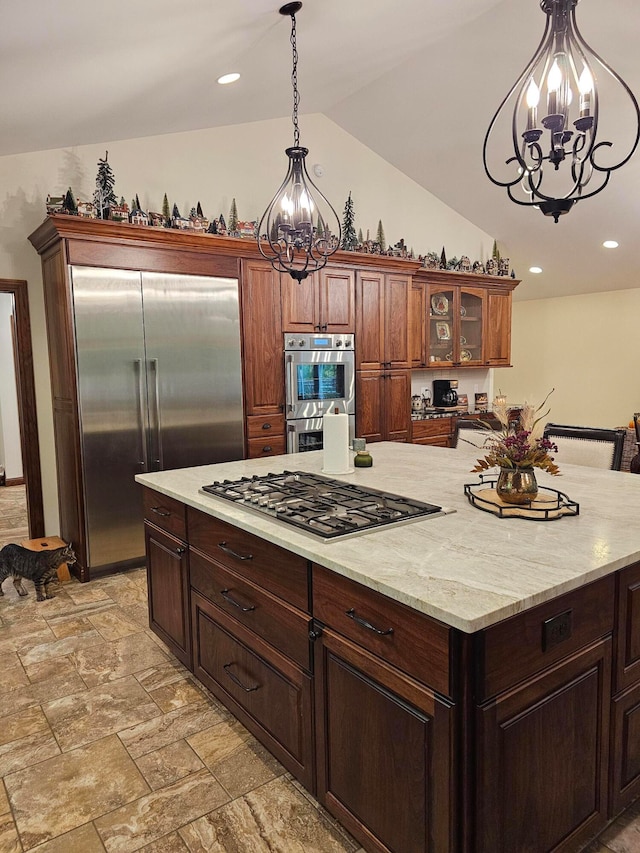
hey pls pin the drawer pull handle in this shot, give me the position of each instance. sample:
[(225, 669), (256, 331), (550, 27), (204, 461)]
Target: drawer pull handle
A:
[(165, 513), (225, 594), (227, 550), (364, 624), (267, 448), (181, 550), (266, 426), (236, 680)]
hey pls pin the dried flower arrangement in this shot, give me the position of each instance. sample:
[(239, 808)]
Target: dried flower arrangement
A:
[(515, 444)]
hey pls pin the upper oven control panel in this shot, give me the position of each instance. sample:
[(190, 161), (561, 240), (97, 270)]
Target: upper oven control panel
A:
[(317, 342)]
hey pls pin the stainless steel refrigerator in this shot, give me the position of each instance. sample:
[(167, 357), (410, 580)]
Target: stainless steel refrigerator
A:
[(159, 385)]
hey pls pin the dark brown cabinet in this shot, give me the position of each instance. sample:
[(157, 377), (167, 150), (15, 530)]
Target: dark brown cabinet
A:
[(383, 404), (522, 737), (625, 709), (542, 782), (168, 590), (376, 724), (324, 302)]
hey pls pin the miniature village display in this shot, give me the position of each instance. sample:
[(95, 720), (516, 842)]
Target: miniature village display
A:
[(106, 206)]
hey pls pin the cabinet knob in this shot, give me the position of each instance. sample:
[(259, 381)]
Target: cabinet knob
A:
[(180, 551), (266, 426), (267, 448)]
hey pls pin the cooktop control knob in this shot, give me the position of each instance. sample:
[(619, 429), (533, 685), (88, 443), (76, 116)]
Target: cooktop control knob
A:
[(301, 342), (290, 342), (347, 343), (338, 343)]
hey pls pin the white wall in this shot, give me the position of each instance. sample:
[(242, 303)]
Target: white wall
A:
[(587, 348), (10, 449), (245, 162)]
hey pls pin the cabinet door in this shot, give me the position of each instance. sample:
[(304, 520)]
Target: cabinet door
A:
[(369, 405), (384, 744), (369, 341), (441, 325), (542, 782), (263, 361), (337, 301), (498, 329), (625, 749), (472, 326), (168, 591), (397, 405), (397, 299), (300, 304), (417, 321), (627, 647)]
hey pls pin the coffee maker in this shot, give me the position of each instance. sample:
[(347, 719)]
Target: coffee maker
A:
[(445, 393)]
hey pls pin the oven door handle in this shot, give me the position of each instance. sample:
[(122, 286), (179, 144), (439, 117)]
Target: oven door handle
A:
[(291, 383)]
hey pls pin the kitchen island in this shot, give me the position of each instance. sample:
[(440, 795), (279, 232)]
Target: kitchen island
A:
[(459, 683)]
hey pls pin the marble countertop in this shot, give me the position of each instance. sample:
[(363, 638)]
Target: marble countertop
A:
[(467, 568)]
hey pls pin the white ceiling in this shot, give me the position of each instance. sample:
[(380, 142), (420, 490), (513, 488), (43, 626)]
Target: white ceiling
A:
[(417, 81)]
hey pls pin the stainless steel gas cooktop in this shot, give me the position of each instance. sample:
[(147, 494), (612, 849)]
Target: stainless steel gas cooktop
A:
[(320, 505)]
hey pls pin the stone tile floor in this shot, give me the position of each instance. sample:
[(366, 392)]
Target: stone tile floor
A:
[(108, 744)]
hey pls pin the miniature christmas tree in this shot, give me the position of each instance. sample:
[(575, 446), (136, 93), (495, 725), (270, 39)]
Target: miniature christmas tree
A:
[(360, 237), (69, 204), (104, 195), (165, 208), (222, 225), (199, 211), (349, 240), (380, 236), (233, 217), (175, 213), (213, 227), (443, 260), (320, 226), (137, 207), (495, 253)]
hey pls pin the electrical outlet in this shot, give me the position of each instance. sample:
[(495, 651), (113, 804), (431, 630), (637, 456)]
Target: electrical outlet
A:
[(556, 630)]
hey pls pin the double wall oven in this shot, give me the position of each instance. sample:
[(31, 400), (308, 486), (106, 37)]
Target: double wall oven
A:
[(320, 376)]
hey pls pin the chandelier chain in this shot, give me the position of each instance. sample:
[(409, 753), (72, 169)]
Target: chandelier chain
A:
[(294, 82)]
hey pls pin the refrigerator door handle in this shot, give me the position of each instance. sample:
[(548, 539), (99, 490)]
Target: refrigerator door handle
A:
[(144, 459), (154, 407)]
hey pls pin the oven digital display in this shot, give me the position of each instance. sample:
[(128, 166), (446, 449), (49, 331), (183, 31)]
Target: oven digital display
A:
[(320, 381), (321, 342)]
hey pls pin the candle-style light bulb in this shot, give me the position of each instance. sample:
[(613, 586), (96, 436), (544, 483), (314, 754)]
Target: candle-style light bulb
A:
[(554, 81), (585, 84), (533, 99)]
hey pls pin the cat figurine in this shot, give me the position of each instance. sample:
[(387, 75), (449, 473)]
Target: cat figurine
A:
[(38, 566)]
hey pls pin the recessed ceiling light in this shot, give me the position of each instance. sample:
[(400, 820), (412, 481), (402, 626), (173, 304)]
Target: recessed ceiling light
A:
[(228, 78), (535, 269), (610, 244)]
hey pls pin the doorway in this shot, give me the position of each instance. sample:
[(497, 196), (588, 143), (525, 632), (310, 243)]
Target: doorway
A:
[(25, 392)]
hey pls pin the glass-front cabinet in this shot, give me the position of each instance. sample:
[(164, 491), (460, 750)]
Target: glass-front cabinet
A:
[(455, 326)]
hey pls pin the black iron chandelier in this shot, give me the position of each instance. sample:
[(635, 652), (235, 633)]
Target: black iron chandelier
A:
[(299, 229), (558, 158)]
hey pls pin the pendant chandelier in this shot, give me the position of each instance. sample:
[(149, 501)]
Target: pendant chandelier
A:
[(299, 229), (558, 158)]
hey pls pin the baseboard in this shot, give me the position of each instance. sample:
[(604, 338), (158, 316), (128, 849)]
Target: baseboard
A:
[(14, 481)]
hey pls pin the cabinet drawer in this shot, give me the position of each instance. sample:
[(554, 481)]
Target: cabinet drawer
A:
[(432, 427), (280, 572), (165, 512), (405, 638), (525, 644), (273, 620), (259, 426), (268, 445), (271, 696)]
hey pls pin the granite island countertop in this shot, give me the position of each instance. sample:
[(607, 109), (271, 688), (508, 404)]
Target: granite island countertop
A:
[(467, 568)]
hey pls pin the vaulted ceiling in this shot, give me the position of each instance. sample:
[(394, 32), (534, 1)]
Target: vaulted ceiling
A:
[(417, 81)]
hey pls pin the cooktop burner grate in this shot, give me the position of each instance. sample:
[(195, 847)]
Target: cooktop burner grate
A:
[(320, 505)]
